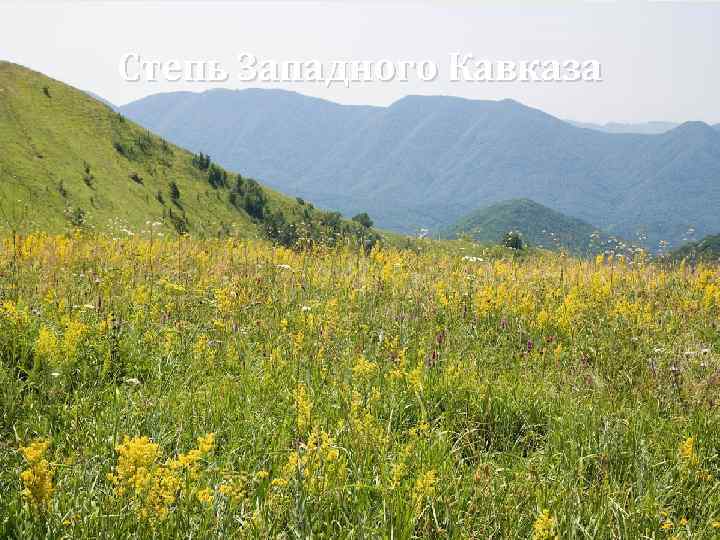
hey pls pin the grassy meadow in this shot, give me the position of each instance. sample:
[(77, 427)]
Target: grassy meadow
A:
[(171, 387)]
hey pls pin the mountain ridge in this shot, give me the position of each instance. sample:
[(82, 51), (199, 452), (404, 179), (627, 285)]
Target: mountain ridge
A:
[(424, 161)]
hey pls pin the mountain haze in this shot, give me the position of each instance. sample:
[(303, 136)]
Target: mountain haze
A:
[(425, 161), (647, 128)]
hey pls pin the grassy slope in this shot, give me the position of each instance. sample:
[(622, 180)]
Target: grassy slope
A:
[(46, 141), (452, 398), (707, 249), (539, 226)]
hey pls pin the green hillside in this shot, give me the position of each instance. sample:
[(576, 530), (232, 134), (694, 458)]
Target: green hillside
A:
[(538, 225), (705, 250), (425, 161), (68, 160)]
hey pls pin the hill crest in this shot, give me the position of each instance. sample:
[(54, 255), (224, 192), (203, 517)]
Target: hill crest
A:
[(69, 160), (537, 224)]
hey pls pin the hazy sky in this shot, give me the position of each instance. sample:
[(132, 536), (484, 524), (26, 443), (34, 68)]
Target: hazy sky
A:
[(660, 61)]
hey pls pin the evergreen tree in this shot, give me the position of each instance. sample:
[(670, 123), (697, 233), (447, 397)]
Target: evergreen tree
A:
[(513, 240), (217, 177), (174, 192), (201, 161), (364, 220)]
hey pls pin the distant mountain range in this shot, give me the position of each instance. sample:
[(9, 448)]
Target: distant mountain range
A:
[(647, 128), (426, 161), (538, 226)]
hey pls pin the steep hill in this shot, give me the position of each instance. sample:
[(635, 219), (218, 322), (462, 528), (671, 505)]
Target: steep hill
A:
[(539, 226), (101, 99), (425, 161), (69, 160), (707, 250)]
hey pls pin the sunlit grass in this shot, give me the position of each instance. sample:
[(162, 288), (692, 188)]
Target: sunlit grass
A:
[(207, 388)]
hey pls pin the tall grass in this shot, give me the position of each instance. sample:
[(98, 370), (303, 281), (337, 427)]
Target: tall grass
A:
[(400, 394)]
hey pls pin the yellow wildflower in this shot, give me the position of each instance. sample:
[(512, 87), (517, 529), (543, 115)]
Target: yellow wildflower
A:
[(46, 344), (304, 408), (425, 486), (234, 489), (135, 458), (687, 451), (206, 443), (13, 313), (205, 495), (415, 379), (544, 526), (37, 478), (74, 333), (363, 368)]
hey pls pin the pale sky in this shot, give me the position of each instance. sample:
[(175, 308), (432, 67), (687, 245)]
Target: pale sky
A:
[(660, 61)]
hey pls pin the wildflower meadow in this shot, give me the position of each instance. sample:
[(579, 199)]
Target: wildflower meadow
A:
[(165, 388)]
